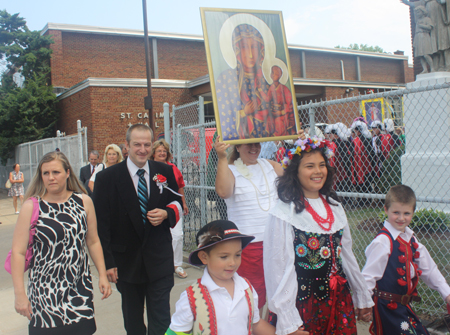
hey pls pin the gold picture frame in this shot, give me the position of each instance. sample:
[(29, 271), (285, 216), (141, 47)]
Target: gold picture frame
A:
[(250, 75)]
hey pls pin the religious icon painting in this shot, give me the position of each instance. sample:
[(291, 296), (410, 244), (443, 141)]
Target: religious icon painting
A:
[(373, 110), (249, 70)]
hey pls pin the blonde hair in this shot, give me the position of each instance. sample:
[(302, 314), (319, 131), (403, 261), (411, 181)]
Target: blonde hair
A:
[(37, 188), (166, 146), (116, 148)]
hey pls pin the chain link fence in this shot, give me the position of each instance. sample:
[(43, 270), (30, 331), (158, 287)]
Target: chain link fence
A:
[(29, 154), (412, 147)]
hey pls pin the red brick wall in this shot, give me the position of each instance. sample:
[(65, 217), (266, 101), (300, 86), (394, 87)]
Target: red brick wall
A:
[(56, 61), (100, 108), (322, 65), (104, 56), (381, 70), (179, 59)]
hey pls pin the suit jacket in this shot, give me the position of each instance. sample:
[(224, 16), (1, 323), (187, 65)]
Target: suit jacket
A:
[(142, 253), (85, 175)]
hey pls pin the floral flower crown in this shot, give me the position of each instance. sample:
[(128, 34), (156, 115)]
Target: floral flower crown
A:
[(307, 145)]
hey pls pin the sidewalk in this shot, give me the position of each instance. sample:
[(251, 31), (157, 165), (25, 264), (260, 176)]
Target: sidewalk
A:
[(108, 313)]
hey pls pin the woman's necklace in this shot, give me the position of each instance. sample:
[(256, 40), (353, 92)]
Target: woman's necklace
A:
[(321, 221), (243, 169)]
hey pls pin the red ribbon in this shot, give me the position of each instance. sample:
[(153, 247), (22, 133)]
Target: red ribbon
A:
[(336, 285)]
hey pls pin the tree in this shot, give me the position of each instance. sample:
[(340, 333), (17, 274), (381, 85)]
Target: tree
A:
[(27, 113), (363, 47)]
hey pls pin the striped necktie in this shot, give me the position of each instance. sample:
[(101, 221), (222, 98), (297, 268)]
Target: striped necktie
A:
[(142, 194)]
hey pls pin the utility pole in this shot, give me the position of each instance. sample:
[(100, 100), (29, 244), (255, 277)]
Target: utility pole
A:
[(148, 99)]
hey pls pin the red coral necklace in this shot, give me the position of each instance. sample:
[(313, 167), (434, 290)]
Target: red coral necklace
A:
[(321, 221)]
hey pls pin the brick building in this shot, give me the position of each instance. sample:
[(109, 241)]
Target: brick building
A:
[(100, 75)]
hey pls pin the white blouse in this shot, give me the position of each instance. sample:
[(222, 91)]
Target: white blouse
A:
[(377, 254), (279, 258), (231, 312), (252, 199)]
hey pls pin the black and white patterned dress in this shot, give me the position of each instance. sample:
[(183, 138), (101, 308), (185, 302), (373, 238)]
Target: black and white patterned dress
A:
[(60, 283)]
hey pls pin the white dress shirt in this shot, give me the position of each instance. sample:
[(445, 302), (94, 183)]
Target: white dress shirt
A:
[(377, 255), (231, 312), (279, 260), (133, 169)]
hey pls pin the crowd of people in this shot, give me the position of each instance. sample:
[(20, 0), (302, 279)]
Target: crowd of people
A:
[(359, 152), (286, 242)]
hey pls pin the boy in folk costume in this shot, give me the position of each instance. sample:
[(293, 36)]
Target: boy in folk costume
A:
[(395, 260), (221, 302)]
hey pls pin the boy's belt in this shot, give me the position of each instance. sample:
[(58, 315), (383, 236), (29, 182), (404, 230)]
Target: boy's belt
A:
[(403, 299)]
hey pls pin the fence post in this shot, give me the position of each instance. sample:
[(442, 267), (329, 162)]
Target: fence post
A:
[(312, 122), (80, 142), (203, 204), (86, 153), (31, 163), (166, 122), (178, 141), (201, 110)]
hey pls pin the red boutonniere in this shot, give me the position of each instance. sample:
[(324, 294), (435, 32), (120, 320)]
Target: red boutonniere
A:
[(161, 182)]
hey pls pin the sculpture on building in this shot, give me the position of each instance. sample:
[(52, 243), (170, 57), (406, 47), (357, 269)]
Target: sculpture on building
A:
[(439, 35)]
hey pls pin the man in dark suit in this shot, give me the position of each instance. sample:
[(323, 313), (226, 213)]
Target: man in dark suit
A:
[(135, 235), (87, 171)]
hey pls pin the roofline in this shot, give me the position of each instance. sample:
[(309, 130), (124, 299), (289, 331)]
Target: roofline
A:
[(172, 83), (199, 38)]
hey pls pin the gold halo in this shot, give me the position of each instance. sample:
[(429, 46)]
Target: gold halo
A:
[(226, 44)]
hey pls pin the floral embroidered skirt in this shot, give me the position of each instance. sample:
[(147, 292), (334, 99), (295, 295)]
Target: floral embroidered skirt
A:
[(395, 318), (323, 317)]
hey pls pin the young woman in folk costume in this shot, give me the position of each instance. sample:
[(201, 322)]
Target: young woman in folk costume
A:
[(243, 111), (309, 265)]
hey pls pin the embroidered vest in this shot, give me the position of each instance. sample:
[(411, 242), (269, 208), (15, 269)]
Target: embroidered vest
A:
[(397, 276), (202, 307), (317, 256)]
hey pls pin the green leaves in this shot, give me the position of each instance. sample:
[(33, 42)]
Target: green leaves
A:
[(27, 113)]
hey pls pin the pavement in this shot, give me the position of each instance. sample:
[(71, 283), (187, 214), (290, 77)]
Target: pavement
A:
[(108, 313)]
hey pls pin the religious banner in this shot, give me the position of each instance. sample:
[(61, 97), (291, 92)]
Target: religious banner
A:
[(249, 70)]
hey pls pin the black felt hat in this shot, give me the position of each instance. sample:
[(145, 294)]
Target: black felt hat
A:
[(216, 232)]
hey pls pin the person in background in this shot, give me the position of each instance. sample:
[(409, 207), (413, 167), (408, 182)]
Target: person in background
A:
[(161, 153), (394, 140), (17, 190), (268, 150), (123, 147), (112, 156), (377, 137), (60, 292), (362, 164), (87, 171)]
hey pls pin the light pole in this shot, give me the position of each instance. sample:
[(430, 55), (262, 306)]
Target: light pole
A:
[(148, 99)]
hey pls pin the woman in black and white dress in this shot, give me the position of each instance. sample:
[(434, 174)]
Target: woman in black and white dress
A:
[(60, 293)]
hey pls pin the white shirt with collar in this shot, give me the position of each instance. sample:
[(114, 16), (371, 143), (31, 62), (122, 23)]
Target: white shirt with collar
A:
[(133, 169), (377, 255), (231, 313)]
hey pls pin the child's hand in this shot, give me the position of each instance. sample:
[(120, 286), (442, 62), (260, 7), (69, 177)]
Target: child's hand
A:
[(447, 300), (364, 314)]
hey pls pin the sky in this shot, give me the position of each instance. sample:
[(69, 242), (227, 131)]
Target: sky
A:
[(325, 23)]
